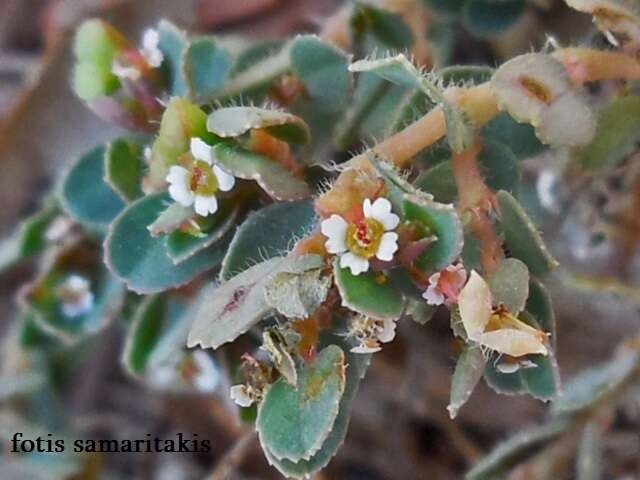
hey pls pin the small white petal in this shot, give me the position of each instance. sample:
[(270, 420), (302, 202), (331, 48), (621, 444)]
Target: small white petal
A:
[(226, 181), (206, 205), (433, 296), (177, 174), (388, 246), (201, 150), (380, 210), (150, 38), (356, 264), (150, 50), (335, 229), (239, 395), (365, 349), (508, 367), (178, 185), (474, 302), (124, 72), (388, 331), (512, 342)]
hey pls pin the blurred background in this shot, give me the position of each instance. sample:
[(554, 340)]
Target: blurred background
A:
[(399, 428)]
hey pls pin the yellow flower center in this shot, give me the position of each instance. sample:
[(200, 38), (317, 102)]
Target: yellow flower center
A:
[(202, 180), (363, 237)]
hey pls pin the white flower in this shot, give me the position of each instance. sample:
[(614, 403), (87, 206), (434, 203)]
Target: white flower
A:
[(496, 329), (198, 184), (125, 72), (445, 285), (368, 237), (75, 296), (241, 396), (150, 50), (371, 332)]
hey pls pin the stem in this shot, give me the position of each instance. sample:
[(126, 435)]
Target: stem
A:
[(589, 65), (481, 105), (476, 198)]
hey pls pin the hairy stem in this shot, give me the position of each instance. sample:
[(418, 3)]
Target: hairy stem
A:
[(480, 102), (476, 198), (589, 65)]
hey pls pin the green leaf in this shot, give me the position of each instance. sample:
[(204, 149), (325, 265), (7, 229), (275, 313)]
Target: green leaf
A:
[(542, 381), (173, 43), (522, 237), (182, 245), (271, 231), (157, 333), (356, 366), (466, 376), (141, 261), (439, 182), (95, 46), (401, 71), (540, 308), (85, 195), (510, 285), (503, 383), (235, 121), (368, 293), (123, 168), (29, 238), (592, 385), (205, 66), (277, 181), (489, 18), (437, 219), (520, 137), (149, 320), (293, 423), (323, 69), (372, 104), (230, 309), (617, 135), (258, 77), (516, 450), (388, 30), (254, 54)]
